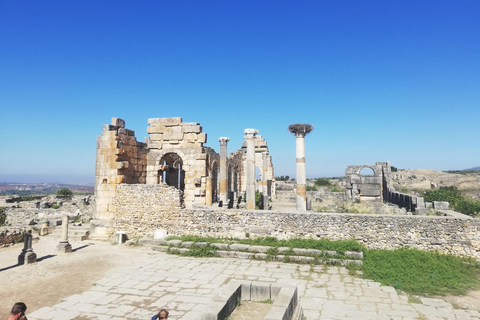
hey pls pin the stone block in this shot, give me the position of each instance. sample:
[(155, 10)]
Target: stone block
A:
[(191, 128), (239, 247), (189, 137), (260, 291), (173, 136), (222, 246), (261, 249), (118, 122), (169, 122), (440, 205), (156, 136), (202, 137)]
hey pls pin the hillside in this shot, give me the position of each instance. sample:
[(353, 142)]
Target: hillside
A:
[(424, 179)]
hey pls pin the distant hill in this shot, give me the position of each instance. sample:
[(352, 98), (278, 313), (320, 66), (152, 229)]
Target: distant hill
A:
[(472, 169)]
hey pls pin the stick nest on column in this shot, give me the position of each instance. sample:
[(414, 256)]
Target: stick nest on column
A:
[(300, 128)]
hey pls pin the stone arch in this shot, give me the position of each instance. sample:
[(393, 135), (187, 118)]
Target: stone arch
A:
[(170, 169), (375, 169)]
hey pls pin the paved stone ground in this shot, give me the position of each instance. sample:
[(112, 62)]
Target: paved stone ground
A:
[(185, 286)]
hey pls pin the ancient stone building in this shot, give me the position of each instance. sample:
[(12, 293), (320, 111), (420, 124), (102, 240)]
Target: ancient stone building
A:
[(174, 157)]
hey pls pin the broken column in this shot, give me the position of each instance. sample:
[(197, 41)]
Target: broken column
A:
[(223, 169), (63, 244), (301, 130), (250, 141), (208, 191), (27, 256), (264, 179)]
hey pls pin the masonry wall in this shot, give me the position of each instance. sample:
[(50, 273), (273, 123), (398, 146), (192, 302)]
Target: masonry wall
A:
[(144, 208), (448, 235), (120, 159)]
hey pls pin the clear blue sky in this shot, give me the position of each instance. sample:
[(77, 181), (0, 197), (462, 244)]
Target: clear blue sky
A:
[(382, 80)]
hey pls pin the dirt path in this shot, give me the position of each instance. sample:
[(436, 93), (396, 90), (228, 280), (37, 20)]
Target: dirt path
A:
[(56, 275)]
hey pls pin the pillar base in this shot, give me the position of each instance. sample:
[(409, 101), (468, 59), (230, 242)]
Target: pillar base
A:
[(27, 258), (64, 246)]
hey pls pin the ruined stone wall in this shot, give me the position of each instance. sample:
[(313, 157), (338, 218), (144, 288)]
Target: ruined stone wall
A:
[(144, 208), (185, 139), (449, 235), (120, 159), (237, 164)]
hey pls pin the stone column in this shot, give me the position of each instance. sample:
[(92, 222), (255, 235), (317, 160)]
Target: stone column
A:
[(301, 173), (264, 180), (27, 256), (63, 244), (250, 140), (223, 169), (208, 191), (301, 130)]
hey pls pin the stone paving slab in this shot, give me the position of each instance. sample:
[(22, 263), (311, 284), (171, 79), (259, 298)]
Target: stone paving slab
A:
[(186, 287)]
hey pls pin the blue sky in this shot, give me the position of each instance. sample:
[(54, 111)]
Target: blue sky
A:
[(391, 81)]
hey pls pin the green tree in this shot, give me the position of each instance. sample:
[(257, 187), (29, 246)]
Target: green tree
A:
[(64, 192)]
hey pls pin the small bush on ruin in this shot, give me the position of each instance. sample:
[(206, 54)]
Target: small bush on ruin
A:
[(64, 192), (311, 188)]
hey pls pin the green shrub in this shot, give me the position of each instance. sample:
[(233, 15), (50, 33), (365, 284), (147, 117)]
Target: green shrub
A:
[(311, 188), (322, 182), (258, 200), (64, 192), (335, 188), (3, 215), (457, 201), (55, 206)]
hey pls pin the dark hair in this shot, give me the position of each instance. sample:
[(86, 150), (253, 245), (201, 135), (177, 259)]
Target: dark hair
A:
[(164, 311), (19, 307)]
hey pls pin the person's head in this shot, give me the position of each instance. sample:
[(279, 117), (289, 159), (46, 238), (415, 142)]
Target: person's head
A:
[(163, 314), (18, 310)]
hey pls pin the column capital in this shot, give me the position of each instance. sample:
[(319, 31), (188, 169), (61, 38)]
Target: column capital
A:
[(250, 133), (223, 140)]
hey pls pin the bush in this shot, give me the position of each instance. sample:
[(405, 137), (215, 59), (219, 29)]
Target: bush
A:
[(3, 215), (311, 188), (64, 192), (322, 182), (258, 200), (457, 201)]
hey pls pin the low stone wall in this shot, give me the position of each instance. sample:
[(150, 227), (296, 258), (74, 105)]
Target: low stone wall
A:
[(141, 208), (10, 236), (449, 235)]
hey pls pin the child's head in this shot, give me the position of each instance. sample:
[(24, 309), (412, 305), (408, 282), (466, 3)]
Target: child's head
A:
[(163, 314)]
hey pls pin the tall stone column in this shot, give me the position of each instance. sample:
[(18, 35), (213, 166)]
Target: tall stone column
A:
[(250, 140), (300, 131), (63, 244), (208, 191), (27, 256), (223, 169), (264, 180)]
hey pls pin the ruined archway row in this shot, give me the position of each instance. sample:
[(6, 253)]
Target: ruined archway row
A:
[(174, 155)]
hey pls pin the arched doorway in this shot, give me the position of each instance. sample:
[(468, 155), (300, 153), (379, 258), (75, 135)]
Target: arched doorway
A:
[(171, 171)]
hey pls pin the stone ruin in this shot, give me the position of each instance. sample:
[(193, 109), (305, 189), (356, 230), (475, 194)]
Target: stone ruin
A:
[(378, 188), (174, 156)]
